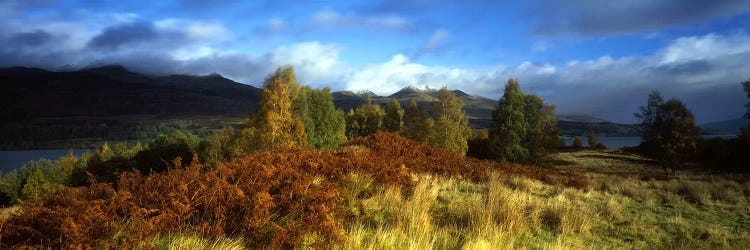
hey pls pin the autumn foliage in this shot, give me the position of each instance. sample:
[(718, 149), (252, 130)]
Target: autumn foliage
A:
[(279, 199)]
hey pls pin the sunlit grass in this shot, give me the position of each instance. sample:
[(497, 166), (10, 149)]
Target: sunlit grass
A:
[(615, 211), (187, 241)]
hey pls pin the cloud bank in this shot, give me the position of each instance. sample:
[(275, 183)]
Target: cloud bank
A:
[(595, 17)]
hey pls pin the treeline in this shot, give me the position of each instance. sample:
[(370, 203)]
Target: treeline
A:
[(87, 132), (671, 137)]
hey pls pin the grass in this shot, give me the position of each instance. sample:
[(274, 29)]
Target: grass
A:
[(188, 241), (617, 210)]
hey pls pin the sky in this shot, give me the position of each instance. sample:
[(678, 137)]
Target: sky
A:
[(587, 57)]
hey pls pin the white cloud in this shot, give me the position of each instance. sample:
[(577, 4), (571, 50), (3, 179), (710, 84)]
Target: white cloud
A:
[(195, 30), (314, 62), (331, 18), (705, 47), (124, 17)]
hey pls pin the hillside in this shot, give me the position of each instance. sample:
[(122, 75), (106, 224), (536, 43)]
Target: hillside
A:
[(114, 91), (724, 127)]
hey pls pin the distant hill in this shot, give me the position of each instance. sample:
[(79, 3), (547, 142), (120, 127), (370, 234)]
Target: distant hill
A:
[(478, 109), (114, 91), (724, 127), (579, 118)]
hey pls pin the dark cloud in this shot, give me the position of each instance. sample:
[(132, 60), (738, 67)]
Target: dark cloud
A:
[(30, 39), (397, 6), (595, 17), (125, 34), (682, 68)]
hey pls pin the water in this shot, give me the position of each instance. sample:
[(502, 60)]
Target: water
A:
[(610, 142), (10, 160), (620, 142)]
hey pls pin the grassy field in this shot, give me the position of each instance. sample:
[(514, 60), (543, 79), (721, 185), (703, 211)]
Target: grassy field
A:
[(627, 203), (620, 208)]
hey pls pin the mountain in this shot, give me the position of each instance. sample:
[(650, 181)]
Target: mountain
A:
[(724, 127), (478, 109), (27, 93)]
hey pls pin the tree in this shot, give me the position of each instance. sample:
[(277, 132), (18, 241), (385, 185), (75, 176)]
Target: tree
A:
[(542, 135), (451, 129), (33, 188), (592, 139), (524, 128), (649, 115), (275, 125), (325, 126), (393, 114), (669, 135), (365, 119), (417, 123), (219, 147), (509, 125)]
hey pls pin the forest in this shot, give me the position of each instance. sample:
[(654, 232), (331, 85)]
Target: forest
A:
[(300, 173)]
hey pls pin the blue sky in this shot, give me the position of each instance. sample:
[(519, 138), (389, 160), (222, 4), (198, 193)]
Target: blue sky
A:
[(590, 57)]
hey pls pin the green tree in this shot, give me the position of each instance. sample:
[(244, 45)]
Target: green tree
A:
[(649, 115), (159, 157), (275, 125), (451, 129), (325, 126), (509, 126), (542, 135), (670, 135), (219, 147), (365, 119), (12, 184), (417, 123), (393, 114), (524, 128), (33, 188)]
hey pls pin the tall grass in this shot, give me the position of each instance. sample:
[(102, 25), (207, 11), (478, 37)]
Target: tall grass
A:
[(187, 241), (517, 212)]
